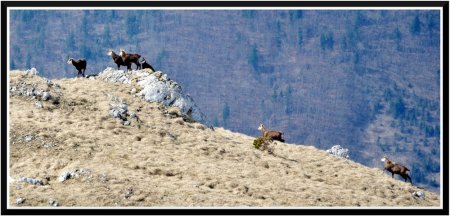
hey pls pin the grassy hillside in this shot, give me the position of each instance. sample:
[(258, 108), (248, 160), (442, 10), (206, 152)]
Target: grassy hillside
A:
[(163, 161)]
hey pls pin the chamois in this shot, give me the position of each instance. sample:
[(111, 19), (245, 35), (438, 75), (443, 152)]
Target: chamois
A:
[(144, 64), (117, 59), (273, 135), (130, 58), (79, 64), (394, 168)]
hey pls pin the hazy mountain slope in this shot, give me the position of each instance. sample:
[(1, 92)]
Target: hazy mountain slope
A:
[(165, 161), (324, 77)]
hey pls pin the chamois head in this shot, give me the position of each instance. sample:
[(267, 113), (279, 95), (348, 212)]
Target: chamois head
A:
[(69, 61), (384, 158), (110, 52), (122, 52), (261, 126)]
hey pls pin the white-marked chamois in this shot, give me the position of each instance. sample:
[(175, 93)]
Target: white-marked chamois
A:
[(80, 65)]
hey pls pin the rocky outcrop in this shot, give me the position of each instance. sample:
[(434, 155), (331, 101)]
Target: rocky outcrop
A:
[(156, 87), (338, 151), (44, 90)]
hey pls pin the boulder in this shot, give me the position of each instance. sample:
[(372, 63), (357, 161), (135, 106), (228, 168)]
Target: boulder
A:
[(419, 194), (45, 96), (20, 200), (32, 71), (338, 151), (31, 181)]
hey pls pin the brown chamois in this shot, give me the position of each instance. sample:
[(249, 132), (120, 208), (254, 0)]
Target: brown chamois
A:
[(80, 65), (273, 135), (130, 58), (394, 168), (117, 59)]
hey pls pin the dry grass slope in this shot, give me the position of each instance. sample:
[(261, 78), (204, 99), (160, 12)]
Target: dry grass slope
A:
[(166, 162)]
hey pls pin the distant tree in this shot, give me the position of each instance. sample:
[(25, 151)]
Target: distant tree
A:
[(70, 41), (40, 40), (388, 94), (114, 14), (356, 58), (351, 38), (397, 108), (279, 35), (431, 24), (419, 173), (274, 95), (437, 131), (327, 41), (435, 151), (15, 50), (86, 51), (289, 107), (225, 113), (84, 25), (28, 61), (12, 64), (299, 37), (132, 25), (106, 37), (26, 15), (361, 20), (253, 58), (215, 122), (398, 38), (430, 165), (295, 15), (415, 26), (249, 14), (160, 58), (377, 107)]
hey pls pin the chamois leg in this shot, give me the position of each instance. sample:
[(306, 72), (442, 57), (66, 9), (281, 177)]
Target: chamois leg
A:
[(138, 65), (406, 177)]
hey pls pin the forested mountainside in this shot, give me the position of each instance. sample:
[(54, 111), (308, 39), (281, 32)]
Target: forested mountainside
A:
[(368, 80)]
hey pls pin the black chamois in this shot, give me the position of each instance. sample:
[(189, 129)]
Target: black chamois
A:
[(144, 64), (117, 59), (80, 65)]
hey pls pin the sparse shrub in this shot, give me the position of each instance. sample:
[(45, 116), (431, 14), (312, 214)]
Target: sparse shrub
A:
[(257, 143), (262, 143)]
